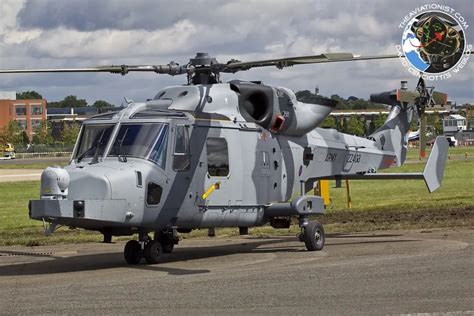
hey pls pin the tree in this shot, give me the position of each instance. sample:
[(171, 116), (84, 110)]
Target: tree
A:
[(28, 95), (329, 122), (71, 101), (25, 138), (377, 122), (414, 123), (11, 133), (304, 96), (352, 98), (435, 122), (69, 133), (352, 103), (99, 104), (354, 126), (43, 134)]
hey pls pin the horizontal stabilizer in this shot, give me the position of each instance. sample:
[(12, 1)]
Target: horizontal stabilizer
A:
[(432, 174)]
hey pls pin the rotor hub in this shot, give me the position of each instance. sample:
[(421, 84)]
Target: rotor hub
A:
[(203, 71), (202, 59)]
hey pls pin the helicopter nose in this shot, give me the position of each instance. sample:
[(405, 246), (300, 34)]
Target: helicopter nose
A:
[(88, 185)]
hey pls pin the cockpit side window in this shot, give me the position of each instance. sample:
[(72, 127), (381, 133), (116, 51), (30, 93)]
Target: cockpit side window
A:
[(158, 153), (181, 156)]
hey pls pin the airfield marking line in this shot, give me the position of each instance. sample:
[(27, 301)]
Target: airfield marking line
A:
[(20, 175), (12, 175)]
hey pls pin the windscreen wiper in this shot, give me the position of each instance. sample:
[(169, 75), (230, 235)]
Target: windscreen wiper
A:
[(88, 151), (121, 156), (95, 159)]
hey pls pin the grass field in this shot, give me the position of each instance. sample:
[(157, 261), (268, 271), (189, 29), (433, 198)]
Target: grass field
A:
[(375, 205)]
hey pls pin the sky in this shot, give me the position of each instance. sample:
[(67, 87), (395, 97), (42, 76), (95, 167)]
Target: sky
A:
[(81, 33)]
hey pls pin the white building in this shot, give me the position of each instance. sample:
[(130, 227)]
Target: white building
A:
[(7, 95), (453, 124)]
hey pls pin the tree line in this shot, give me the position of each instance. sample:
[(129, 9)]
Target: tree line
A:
[(13, 133), (351, 103), (70, 101), (353, 125)]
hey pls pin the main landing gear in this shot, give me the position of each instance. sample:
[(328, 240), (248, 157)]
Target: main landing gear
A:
[(150, 249), (312, 234)]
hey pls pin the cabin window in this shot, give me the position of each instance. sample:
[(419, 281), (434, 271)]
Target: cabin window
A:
[(181, 156), (217, 157), (153, 196)]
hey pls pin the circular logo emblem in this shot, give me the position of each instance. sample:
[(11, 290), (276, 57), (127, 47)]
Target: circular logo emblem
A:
[(433, 42)]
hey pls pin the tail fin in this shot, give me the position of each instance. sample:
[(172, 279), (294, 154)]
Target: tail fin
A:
[(392, 136)]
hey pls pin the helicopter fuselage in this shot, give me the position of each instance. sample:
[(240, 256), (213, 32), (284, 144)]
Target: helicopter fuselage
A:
[(178, 163)]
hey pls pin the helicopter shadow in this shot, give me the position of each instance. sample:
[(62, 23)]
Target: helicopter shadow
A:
[(102, 261)]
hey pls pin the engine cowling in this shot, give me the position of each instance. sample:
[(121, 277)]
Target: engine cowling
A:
[(256, 102), (301, 118)]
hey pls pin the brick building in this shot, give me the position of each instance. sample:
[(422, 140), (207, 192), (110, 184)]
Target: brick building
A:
[(28, 113)]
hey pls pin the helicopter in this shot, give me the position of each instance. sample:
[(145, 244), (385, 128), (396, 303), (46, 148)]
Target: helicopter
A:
[(210, 154)]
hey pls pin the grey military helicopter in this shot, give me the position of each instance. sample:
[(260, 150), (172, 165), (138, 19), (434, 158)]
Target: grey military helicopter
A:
[(211, 154)]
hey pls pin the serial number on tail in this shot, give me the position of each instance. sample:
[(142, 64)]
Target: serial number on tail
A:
[(355, 158)]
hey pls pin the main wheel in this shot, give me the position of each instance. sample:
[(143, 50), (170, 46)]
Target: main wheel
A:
[(153, 252), (132, 252), (313, 236), (167, 244)]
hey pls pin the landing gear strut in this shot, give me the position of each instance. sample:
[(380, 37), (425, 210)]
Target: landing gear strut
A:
[(312, 234), (150, 249)]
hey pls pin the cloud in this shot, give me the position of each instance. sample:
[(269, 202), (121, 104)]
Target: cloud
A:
[(80, 33)]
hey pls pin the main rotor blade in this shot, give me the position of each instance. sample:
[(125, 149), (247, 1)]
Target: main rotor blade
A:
[(234, 66), (170, 69)]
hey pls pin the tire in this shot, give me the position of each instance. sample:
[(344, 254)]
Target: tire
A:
[(167, 244), (314, 236), (166, 241), (132, 252), (153, 252)]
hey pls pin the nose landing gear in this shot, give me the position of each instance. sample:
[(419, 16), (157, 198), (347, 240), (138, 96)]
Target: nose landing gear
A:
[(153, 252), (150, 249), (132, 252)]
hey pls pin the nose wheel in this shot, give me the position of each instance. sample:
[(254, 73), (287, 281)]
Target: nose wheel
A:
[(153, 252), (132, 252), (150, 249)]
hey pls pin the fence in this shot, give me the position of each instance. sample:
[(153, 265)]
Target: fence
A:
[(38, 155)]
